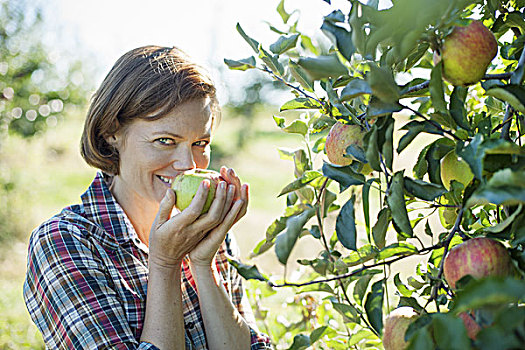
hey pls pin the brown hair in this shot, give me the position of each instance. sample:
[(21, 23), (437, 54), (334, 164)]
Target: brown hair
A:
[(147, 83)]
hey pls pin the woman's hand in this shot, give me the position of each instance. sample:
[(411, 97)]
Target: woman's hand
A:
[(235, 207), (171, 238)]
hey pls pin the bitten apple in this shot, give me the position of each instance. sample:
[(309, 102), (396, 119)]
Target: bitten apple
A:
[(466, 53), (340, 137), (186, 185), (478, 257), (395, 327)]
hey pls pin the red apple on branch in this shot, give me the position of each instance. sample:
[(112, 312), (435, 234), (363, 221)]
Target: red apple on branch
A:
[(340, 137), (478, 257), (395, 327), (466, 53), (186, 185)]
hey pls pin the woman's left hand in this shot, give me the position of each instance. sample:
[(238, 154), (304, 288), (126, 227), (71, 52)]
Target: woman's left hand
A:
[(235, 208)]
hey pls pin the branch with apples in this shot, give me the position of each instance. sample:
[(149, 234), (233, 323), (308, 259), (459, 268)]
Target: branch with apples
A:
[(409, 177)]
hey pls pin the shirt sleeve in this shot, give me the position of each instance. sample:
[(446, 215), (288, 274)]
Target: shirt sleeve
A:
[(69, 296), (259, 341)]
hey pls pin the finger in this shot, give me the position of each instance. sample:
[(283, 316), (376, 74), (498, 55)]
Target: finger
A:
[(217, 235), (245, 197), (165, 208), (229, 201), (214, 215)]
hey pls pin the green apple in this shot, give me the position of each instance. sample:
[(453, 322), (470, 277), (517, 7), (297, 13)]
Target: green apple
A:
[(340, 137), (455, 168), (395, 327), (478, 257), (466, 53), (186, 185)]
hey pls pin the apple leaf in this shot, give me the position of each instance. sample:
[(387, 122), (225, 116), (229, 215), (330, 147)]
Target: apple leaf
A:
[(284, 43), (300, 76), (304, 180), (372, 148), (285, 16), (242, 64), (424, 190), (285, 242), (415, 127), (301, 103), (366, 204), (504, 187), (380, 228), (253, 43), (248, 272), (449, 332), (345, 175), (360, 287), (437, 93), (348, 311), (396, 249), (374, 306), (473, 154), (271, 61), (320, 332), (341, 38), (513, 94), (345, 225), (300, 342), (396, 202), (377, 108), (489, 291), (403, 290), (361, 255), (356, 87), (457, 107), (381, 81), (323, 67)]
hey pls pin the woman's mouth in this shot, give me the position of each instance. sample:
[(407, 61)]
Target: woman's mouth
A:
[(165, 179)]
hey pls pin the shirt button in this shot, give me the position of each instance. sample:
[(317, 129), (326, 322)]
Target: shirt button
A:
[(190, 325)]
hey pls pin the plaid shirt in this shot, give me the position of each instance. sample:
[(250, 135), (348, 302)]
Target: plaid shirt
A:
[(87, 276)]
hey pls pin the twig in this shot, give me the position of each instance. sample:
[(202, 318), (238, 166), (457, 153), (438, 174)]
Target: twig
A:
[(433, 123)]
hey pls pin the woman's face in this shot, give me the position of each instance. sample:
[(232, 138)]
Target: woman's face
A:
[(153, 152)]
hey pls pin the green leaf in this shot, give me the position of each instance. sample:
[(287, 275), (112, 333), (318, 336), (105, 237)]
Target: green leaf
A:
[(377, 108), (307, 177), (253, 43), (363, 254), (356, 87), (374, 306), (341, 37), (345, 175), (504, 187), (285, 16), (301, 103), (345, 225), (421, 340), (380, 228), (457, 107), (414, 127), (248, 272), (372, 148), (489, 291), (424, 190), (396, 202), (397, 249), (348, 311), (318, 333), (300, 342), (360, 287), (366, 205), (323, 67), (271, 61), (403, 290), (512, 94), (450, 332), (301, 76), (437, 93), (505, 223), (285, 242), (473, 154), (243, 64), (298, 126), (381, 81), (284, 43)]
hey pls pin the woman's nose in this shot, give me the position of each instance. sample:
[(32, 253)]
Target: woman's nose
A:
[(183, 158)]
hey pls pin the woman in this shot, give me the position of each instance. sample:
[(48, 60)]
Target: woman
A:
[(120, 270)]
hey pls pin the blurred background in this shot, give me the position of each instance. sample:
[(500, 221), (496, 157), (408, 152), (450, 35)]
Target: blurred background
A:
[(53, 55)]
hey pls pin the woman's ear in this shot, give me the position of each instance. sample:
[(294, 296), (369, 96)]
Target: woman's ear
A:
[(112, 140)]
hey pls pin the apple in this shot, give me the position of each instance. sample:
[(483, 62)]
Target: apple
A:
[(186, 185), (395, 327), (478, 257), (454, 168), (466, 53), (470, 324), (339, 138)]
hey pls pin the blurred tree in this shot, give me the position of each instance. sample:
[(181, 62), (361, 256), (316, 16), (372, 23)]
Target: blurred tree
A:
[(36, 84)]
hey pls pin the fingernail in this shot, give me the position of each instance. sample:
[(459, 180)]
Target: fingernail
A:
[(222, 184)]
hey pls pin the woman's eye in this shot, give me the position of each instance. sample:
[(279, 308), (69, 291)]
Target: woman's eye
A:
[(201, 143), (165, 141)]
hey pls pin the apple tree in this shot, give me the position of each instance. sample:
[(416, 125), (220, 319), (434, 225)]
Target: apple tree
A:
[(437, 85)]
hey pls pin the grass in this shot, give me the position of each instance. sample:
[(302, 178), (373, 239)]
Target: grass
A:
[(48, 174)]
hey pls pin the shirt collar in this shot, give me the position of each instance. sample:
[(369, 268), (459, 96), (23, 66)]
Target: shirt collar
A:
[(102, 208)]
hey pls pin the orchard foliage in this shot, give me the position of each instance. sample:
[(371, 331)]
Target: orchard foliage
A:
[(378, 72)]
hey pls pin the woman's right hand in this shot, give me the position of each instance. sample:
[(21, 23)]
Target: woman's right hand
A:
[(172, 237)]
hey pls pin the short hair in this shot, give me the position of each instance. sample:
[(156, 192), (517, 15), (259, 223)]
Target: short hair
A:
[(147, 83)]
